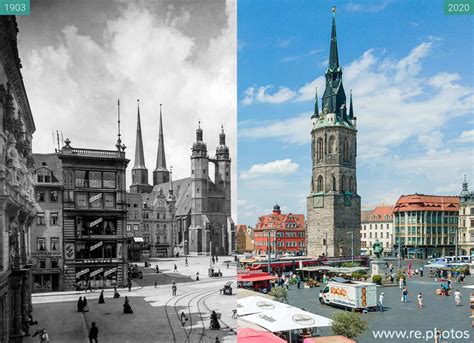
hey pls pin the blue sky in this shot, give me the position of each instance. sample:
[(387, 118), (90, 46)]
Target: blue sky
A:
[(410, 68)]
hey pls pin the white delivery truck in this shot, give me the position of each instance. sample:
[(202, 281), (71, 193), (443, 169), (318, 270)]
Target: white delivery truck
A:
[(350, 295)]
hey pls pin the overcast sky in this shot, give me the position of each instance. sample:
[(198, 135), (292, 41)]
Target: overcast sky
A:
[(79, 57)]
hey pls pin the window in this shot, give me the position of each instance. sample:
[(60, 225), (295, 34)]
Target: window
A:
[(109, 199), (135, 215), (333, 183), (47, 177), (39, 196), (109, 180), (95, 200), (81, 178), (319, 187), (53, 219), (95, 179), (54, 264), (332, 145), (351, 184), (42, 264), (54, 244), (146, 238), (146, 227), (81, 200), (129, 227), (40, 244), (135, 227), (346, 149), (472, 222), (319, 149), (40, 177), (40, 219), (53, 196)]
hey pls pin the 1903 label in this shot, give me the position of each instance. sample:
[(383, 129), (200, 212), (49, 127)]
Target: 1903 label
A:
[(15, 7)]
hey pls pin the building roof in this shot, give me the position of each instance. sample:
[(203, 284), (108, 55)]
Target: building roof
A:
[(241, 227), (182, 192), (51, 162), (422, 202), (365, 214), (278, 220)]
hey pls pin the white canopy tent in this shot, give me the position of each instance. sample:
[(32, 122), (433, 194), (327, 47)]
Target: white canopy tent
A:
[(275, 316)]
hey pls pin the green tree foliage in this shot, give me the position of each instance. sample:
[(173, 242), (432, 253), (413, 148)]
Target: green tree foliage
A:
[(348, 324), (377, 279), (280, 294)]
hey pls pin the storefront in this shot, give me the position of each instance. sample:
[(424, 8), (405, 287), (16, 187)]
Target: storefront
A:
[(46, 280), (138, 249), (97, 277)]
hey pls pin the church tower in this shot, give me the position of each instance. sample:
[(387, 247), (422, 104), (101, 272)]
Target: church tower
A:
[(222, 171), (333, 204), (139, 171), (198, 237), (160, 174)]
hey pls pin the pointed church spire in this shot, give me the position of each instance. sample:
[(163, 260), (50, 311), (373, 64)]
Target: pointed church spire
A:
[(160, 157), (139, 154), (160, 174), (316, 105), (351, 110), (222, 136), (199, 132), (333, 55)]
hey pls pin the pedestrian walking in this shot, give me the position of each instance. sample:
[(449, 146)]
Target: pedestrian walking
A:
[(174, 288), (227, 264), (175, 268), (213, 260), (126, 306), (217, 259), (421, 271), (420, 300), (157, 269), (287, 283), (381, 302), (405, 295), (89, 286), (325, 278), (85, 307), (197, 276), (400, 283), (217, 340), (457, 297), (461, 278), (186, 261), (183, 318), (390, 268), (93, 333), (101, 297), (116, 294), (79, 305), (298, 281), (129, 285), (214, 321), (43, 336), (156, 283)]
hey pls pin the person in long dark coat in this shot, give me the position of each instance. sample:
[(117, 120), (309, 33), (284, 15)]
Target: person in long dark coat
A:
[(79, 305), (101, 298), (126, 306), (214, 321), (85, 308), (116, 294)]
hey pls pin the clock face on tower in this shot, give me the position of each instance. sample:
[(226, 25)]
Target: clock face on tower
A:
[(318, 201)]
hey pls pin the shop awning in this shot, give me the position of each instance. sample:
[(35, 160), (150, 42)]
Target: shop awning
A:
[(138, 239), (248, 335), (255, 278)]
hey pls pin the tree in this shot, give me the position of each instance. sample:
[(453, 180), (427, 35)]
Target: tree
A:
[(280, 294), (348, 324)]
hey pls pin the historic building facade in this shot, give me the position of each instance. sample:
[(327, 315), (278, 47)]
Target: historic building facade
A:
[(333, 204), (426, 225), (377, 224), (47, 229), (466, 221), (244, 239), (190, 215), (283, 233), (17, 202), (94, 216)]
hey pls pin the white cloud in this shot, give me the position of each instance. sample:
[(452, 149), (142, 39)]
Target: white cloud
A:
[(261, 95), (444, 80), (466, 136), (274, 168), (367, 7)]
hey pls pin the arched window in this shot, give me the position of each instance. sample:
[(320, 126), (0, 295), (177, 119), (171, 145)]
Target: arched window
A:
[(351, 184), (319, 149), (324, 241), (319, 187), (347, 150), (332, 145), (333, 183), (343, 183)]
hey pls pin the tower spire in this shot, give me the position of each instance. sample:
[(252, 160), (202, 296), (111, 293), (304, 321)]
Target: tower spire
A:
[(316, 105), (333, 55), (351, 110), (139, 154), (160, 174)]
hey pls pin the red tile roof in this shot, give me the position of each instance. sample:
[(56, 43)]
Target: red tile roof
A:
[(421, 202), (278, 221)]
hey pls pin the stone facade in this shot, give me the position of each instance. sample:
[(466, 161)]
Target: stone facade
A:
[(466, 222), (377, 224), (17, 202), (333, 206)]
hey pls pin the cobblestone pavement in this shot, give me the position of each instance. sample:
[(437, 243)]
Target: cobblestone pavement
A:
[(440, 312), (156, 316)]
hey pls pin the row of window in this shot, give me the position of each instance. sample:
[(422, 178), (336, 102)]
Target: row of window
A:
[(95, 200), (429, 217), (160, 239), (146, 227), (425, 240), (145, 215), (86, 226), (387, 235), (41, 196), (94, 179), (161, 204), (53, 263), (41, 244), (411, 230), (343, 186), (331, 148), (281, 244), (368, 244), (470, 210), (376, 226), (280, 234), (463, 223), (53, 218), (44, 176)]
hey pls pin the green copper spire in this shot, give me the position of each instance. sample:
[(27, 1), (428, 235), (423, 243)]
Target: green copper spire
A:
[(351, 110), (333, 55), (316, 106)]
